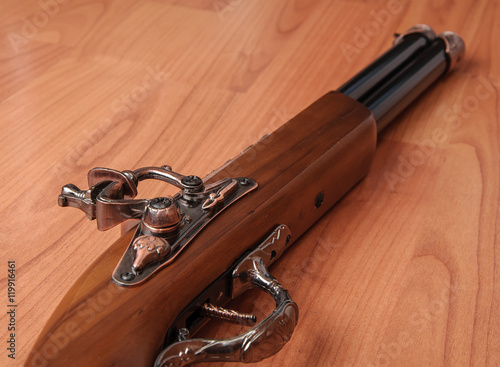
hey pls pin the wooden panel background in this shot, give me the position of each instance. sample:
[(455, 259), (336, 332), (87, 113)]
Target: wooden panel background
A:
[(402, 272)]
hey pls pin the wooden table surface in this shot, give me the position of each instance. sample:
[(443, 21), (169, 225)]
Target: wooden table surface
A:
[(402, 272)]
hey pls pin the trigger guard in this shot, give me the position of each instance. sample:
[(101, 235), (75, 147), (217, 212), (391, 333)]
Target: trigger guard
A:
[(260, 342)]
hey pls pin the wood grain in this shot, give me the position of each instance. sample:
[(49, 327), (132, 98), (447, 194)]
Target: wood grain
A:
[(402, 272)]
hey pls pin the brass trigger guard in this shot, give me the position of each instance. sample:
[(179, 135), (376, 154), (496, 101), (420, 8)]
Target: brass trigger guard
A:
[(260, 342)]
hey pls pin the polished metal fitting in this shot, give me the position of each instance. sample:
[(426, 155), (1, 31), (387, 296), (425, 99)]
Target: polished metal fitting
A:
[(148, 249), (424, 29), (162, 215), (455, 48)]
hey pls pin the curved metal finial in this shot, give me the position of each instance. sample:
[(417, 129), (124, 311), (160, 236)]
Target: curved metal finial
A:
[(455, 48)]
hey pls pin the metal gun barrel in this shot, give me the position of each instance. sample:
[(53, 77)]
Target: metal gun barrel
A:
[(389, 84)]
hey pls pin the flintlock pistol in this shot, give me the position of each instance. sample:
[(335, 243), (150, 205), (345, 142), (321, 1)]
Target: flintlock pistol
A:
[(191, 253)]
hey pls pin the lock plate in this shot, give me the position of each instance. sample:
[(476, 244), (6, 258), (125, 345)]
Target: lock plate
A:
[(196, 214), (168, 224)]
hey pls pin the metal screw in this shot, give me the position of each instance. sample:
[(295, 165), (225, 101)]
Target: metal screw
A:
[(192, 181), (245, 182), (127, 276), (183, 334), (288, 238), (160, 203)]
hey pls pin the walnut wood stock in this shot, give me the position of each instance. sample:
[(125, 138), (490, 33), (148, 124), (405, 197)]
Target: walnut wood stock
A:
[(302, 170)]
